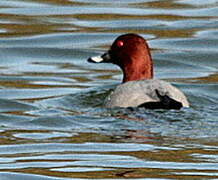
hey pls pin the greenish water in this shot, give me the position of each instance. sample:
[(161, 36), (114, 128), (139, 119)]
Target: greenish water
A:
[(52, 123)]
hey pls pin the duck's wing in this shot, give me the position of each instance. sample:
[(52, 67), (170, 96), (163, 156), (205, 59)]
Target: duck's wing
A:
[(152, 93)]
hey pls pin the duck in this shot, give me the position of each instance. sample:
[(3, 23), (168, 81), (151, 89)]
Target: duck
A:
[(138, 88)]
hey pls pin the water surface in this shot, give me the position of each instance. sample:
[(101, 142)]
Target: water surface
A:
[(53, 124)]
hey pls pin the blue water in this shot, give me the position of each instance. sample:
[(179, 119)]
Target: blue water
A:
[(52, 121)]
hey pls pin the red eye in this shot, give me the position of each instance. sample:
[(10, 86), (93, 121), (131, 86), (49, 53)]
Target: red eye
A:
[(119, 43)]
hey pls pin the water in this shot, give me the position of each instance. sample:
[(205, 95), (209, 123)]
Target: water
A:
[(52, 123)]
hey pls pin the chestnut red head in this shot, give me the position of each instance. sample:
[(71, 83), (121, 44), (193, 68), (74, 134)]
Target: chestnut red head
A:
[(131, 53)]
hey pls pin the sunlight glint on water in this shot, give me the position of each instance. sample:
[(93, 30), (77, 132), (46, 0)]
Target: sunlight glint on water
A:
[(53, 124)]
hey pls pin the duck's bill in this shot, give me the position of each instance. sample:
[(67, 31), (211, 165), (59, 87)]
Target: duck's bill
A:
[(105, 58)]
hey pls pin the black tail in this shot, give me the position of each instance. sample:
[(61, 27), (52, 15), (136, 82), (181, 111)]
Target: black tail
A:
[(165, 103)]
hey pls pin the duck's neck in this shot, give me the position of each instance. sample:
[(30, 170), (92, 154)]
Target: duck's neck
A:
[(138, 71)]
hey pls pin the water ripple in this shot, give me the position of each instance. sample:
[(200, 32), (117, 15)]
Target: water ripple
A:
[(53, 123)]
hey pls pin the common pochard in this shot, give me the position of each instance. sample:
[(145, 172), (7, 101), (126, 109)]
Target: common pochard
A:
[(131, 53)]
